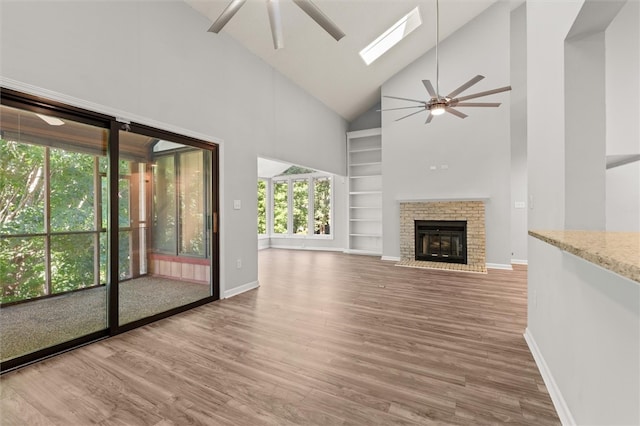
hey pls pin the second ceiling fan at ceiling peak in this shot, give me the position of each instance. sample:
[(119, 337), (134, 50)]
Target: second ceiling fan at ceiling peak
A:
[(275, 21), (438, 104)]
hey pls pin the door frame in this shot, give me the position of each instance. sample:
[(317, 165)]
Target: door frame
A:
[(38, 104)]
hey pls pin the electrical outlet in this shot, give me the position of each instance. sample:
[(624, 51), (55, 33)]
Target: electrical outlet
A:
[(239, 263)]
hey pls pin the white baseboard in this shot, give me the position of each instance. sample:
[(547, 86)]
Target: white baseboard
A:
[(554, 392), (390, 258), (241, 289), (499, 266), (307, 248), (519, 262)]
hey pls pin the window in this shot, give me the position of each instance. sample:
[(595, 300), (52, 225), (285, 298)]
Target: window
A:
[(280, 207), (179, 182), (52, 238), (164, 204), (301, 206), (262, 207), (301, 203), (322, 205), (398, 31)]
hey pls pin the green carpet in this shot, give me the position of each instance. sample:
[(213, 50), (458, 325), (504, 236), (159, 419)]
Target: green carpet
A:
[(30, 326)]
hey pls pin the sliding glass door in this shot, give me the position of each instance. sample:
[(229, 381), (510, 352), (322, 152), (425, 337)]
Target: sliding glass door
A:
[(165, 237), (103, 226)]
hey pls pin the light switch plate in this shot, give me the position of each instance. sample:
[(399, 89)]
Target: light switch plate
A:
[(237, 204), (519, 205)]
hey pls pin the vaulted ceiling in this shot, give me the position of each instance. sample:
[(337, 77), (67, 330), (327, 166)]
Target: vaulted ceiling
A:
[(331, 71)]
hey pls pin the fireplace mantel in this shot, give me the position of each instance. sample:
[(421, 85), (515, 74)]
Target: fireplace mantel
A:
[(437, 199)]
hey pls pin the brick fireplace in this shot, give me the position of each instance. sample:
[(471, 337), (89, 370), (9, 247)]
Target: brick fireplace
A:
[(471, 212)]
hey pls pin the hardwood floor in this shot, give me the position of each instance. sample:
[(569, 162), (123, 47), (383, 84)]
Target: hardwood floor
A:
[(328, 339)]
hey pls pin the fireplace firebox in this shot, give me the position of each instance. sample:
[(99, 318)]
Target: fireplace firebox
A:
[(441, 240)]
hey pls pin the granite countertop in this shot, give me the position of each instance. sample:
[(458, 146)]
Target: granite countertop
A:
[(616, 251)]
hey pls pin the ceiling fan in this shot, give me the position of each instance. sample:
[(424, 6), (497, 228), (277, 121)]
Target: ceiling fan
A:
[(438, 104), (273, 8)]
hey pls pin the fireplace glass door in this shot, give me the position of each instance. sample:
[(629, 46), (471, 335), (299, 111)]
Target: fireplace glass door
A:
[(441, 241)]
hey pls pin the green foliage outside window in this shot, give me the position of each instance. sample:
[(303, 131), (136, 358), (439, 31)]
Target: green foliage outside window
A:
[(321, 205), (164, 204), (77, 235), (262, 207), (301, 207), (296, 170), (304, 191), (192, 203), (22, 268), (23, 272), (280, 207), (179, 203), (21, 188)]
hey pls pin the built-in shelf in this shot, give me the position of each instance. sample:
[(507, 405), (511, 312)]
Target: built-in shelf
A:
[(365, 190), (364, 150), (373, 163)]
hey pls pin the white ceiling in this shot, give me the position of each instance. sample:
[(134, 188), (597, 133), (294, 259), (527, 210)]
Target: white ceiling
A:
[(331, 71)]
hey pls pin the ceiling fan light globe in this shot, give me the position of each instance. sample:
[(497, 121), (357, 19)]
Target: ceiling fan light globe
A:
[(437, 110)]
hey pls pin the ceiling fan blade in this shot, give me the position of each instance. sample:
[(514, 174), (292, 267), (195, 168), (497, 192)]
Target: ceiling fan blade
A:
[(477, 104), (226, 15), (275, 20), (455, 112), (405, 99), (429, 87), (487, 93), (413, 113), (323, 20), (393, 109), (429, 118), (465, 86)]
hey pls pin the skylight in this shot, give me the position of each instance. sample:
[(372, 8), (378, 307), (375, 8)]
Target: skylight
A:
[(391, 37)]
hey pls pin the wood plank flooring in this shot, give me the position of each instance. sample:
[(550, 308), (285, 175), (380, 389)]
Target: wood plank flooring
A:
[(328, 339)]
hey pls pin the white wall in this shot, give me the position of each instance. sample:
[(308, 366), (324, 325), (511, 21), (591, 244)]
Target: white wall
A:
[(583, 321), (518, 52), (547, 26), (622, 39), (155, 60), (476, 149), (584, 143), (370, 119)]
